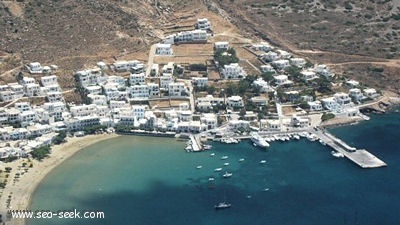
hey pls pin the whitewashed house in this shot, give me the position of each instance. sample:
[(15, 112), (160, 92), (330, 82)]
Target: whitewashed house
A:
[(308, 75), (298, 62), (282, 80), (35, 67), (79, 123), (98, 99), (154, 70), (49, 80), (371, 93), (331, 104), (185, 115), (200, 81), (54, 96), (28, 80), (154, 90), (139, 68), (342, 99), (269, 56), (177, 89), (221, 45), (284, 54), (168, 69), (315, 105), (90, 77), (94, 90), (165, 81), (83, 110), (235, 102), (122, 66), (323, 70), (17, 89), (263, 85), (356, 94), (352, 83), (27, 117), (138, 111), (164, 49), (55, 109), (7, 96), (22, 106), (118, 105), (280, 64), (191, 36), (267, 69), (32, 89), (136, 79), (263, 46), (233, 71), (259, 101), (239, 124), (210, 120), (203, 24), (139, 91), (211, 99)]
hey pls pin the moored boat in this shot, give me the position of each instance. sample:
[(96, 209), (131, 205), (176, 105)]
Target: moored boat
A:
[(258, 140), (222, 205)]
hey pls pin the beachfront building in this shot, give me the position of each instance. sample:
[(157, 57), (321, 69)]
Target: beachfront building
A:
[(271, 124), (200, 81), (356, 94), (233, 71), (164, 49), (238, 124), (210, 120), (342, 99), (370, 93), (221, 45), (203, 24), (177, 89), (80, 122), (235, 102)]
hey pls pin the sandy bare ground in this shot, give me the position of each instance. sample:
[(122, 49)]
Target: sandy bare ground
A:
[(22, 189)]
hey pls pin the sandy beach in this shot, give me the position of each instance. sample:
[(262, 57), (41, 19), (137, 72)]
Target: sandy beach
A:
[(21, 189)]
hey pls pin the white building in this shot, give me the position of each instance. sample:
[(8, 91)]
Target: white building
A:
[(32, 89), (308, 75), (213, 101), (95, 90), (90, 77), (138, 111), (267, 69), (235, 102), (263, 85), (331, 104), (164, 49), (165, 81), (98, 99), (259, 101), (284, 54), (191, 36), (139, 91), (371, 93), (203, 24), (118, 105), (54, 96), (315, 105), (200, 81), (356, 94), (49, 80), (35, 67), (233, 71), (269, 56), (28, 80), (83, 110), (323, 70), (298, 62), (27, 117), (342, 99), (79, 123), (280, 64), (177, 89), (136, 79), (210, 120), (221, 45), (121, 66), (22, 106), (168, 69), (282, 80), (154, 70), (185, 115), (352, 83), (154, 90)]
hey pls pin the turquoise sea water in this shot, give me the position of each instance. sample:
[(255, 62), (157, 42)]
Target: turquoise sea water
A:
[(144, 180)]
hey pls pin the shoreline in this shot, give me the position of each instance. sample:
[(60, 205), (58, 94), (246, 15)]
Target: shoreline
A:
[(21, 191)]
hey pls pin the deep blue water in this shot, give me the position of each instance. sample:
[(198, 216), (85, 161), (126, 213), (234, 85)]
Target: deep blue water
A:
[(143, 181)]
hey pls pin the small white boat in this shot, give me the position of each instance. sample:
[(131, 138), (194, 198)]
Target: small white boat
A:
[(224, 157), (218, 169), (241, 159), (263, 161), (226, 164), (337, 154), (322, 142), (266, 189), (258, 140), (199, 167), (296, 137), (211, 178), (212, 154), (227, 175), (207, 147), (222, 205)]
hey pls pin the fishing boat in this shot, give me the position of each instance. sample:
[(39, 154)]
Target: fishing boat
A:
[(217, 169), (337, 154), (224, 157), (227, 175), (222, 205), (263, 161)]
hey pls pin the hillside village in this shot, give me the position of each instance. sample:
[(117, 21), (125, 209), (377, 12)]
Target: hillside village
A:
[(271, 90)]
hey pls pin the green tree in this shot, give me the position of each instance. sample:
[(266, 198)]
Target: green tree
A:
[(41, 153)]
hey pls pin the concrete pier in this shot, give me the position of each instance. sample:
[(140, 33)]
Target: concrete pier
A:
[(359, 156), (196, 143)]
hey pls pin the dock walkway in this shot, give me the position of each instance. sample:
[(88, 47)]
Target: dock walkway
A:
[(361, 157)]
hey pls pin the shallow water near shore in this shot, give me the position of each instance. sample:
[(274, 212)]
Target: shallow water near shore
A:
[(146, 180)]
